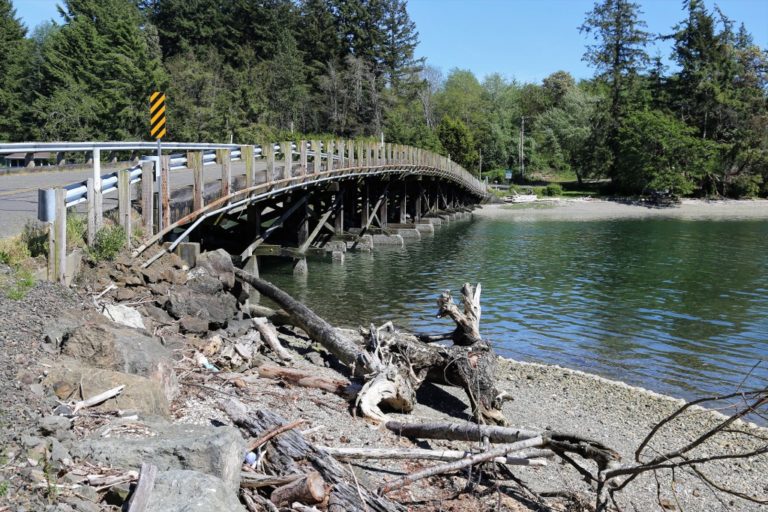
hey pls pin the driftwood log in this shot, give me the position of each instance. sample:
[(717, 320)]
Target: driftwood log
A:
[(394, 365), (309, 490), (287, 452)]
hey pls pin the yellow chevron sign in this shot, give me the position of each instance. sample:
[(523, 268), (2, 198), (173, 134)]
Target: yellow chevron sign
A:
[(157, 115)]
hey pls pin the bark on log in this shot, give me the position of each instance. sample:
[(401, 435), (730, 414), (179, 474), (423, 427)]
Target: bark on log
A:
[(460, 432), (425, 454), (284, 453), (250, 480), (309, 490), (308, 380), (467, 322)]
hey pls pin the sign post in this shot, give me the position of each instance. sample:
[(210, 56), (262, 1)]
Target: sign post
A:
[(157, 130)]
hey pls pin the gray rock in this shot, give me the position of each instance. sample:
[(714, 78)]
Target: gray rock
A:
[(50, 424), (218, 263), (216, 451), (193, 325), (59, 453), (217, 308), (141, 394), (104, 344), (190, 491), (123, 315)]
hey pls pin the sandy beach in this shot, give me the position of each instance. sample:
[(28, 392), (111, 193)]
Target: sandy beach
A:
[(599, 209)]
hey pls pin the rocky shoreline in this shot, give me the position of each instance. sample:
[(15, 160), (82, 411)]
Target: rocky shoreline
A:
[(188, 352)]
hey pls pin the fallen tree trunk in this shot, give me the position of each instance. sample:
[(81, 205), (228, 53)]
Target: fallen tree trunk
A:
[(538, 459), (309, 490), (395, 365)]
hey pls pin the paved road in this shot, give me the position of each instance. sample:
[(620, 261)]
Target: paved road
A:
[(18, 192)]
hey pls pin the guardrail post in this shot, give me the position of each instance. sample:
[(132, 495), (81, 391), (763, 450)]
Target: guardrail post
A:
[(124, 202), (195, 162), (317, 165), (90, 196), (224, 158), (329, 155), (302, 158), (342, 157), (268, 152), (287, 151), (57, 251), (247, 155), (147, 197), (350, 144), (98, 200), (165, 189)]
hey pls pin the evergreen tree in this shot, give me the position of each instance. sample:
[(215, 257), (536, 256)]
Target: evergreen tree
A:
[(618, 56), (399, 43), (13, 57), (98, 71), (457, 141)]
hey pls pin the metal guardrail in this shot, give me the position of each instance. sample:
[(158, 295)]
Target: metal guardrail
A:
[(77, 192)]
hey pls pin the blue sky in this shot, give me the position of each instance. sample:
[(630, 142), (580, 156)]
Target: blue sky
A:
[(522, 39)]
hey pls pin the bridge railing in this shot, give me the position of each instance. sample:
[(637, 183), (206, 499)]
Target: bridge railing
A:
[(287, 164)]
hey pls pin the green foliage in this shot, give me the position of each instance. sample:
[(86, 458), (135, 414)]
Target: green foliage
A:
[(109, 241), (23, 281), (13, 251), (14, 50), (4, 486), (745, 186), (457, 141), (77, 226), (553, 190), (35, 237), (658, 152)]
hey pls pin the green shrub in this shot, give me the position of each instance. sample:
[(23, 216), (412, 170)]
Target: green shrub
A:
[(745, 187), (35, 237), (24, 281), (553, 190), (77, 227), (108, 243)]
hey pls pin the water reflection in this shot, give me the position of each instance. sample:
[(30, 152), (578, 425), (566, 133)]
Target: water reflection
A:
[(676, 306)]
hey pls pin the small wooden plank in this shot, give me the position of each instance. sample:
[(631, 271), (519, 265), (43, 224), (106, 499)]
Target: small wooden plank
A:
[(140, 498), (147, 197)]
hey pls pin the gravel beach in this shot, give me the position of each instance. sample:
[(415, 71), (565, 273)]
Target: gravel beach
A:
[(598, 209)]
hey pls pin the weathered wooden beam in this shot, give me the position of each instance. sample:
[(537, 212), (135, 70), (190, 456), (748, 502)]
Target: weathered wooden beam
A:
[(147, 197), (224, 159), (302, 158), (195, 162), (287, 151), (124, 202), (276, 225), (60, 237), (247, 155), (165, 190), (91, 211), (308, 241), (317, 165)]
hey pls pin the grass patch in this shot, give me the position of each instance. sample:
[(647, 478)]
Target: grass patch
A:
[(21, 283), (13, 251)]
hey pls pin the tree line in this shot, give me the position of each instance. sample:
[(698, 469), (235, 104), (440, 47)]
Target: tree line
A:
[(255, 70)]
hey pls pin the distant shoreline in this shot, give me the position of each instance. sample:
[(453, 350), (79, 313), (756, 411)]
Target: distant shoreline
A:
[(600, 209)]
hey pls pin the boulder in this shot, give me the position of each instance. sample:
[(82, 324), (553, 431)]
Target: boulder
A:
[(217, 308), (191, 491), (140, 394), (216, 451), (193, 325), (218, 263), (104, 344)]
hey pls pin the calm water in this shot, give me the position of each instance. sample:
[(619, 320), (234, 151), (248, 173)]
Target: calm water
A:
[(680, 307)]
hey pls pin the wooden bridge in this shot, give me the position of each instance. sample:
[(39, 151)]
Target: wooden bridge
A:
[(308, 198)]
